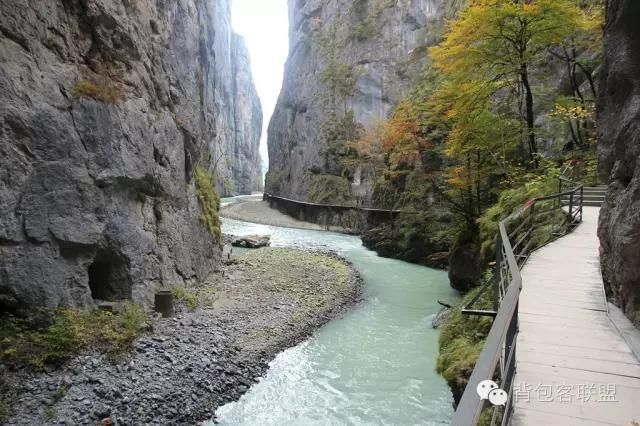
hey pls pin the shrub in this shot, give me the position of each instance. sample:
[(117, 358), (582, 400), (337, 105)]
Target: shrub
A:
[(5, 407), (461, 342), (362, 31), (509, 201), (72, 331), (194, 298), (340, 78), (102, 90), (328, 189), (274, 180), (209, 201)]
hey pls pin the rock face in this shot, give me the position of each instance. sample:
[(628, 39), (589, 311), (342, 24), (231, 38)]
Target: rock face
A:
[(619, 157), (246, 164), (350, 63), (106, 108)]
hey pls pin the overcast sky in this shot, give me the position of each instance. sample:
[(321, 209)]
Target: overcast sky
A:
[(264, 25)]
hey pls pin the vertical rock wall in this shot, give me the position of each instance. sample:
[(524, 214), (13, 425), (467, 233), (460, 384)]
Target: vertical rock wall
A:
[(619, 156), (350, 63), (246, 164), (106, 106)]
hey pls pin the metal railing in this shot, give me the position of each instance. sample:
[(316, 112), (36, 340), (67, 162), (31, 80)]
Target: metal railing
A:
[(536, 223), (358, 206)]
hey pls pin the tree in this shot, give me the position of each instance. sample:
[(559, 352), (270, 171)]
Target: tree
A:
[(493, 46), (577, 111)]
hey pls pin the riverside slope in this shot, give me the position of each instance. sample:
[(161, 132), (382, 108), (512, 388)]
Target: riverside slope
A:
[(197, 361), (105, 108)]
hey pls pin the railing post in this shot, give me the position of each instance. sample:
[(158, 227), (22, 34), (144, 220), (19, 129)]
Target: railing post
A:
[(559, 184), (581, 201), (497, 276), (532, 224), (508, 375), (571, 205)]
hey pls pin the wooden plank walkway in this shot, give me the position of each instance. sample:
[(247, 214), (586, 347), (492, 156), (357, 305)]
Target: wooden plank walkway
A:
[(574, 367)]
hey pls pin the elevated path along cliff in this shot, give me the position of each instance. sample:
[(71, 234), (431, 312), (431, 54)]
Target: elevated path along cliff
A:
[(574, 366), (558, 351)]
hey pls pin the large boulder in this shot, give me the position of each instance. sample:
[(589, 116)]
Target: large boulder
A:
[(619, 156), (252, 241)]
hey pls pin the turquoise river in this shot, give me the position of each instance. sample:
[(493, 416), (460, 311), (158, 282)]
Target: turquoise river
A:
[(374, 366)]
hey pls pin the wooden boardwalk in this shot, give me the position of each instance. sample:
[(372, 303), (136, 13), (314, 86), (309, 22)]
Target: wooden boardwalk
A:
[(573, 366)]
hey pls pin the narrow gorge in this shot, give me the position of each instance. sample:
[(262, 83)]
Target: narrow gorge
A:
[(449, 217)]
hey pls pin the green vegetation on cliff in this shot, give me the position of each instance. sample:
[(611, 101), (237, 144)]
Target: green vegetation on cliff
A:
[(328, 189), (209, 200), (461, 341), (490, 100), (100, 89), (483, 130), (486, 128)]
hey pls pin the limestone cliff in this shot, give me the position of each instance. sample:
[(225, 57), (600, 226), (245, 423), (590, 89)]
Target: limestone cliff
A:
[(350, 63), (246, 164), (619, 156), (106, 106)]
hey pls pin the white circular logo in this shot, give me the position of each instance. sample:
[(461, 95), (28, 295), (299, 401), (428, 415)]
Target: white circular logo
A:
[(484, 387), (498, 397)]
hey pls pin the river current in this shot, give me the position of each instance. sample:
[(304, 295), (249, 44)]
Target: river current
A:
[(374, 366)]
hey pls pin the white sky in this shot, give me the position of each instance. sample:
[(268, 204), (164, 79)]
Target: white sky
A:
[(264, 24)]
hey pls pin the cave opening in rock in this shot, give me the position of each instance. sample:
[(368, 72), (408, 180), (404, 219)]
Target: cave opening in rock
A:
[(109, 278)]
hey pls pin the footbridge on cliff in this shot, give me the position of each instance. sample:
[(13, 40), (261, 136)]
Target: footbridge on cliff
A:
[(560, 352), (348, 217)]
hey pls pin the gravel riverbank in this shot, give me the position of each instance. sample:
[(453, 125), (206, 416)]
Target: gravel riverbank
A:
[(258, 304), (258, 211)]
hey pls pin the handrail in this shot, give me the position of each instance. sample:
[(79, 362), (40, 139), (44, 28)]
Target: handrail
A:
[(335, 206), (497, 360)]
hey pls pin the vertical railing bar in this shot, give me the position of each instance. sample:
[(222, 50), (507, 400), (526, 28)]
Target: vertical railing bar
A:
[(497, 276)]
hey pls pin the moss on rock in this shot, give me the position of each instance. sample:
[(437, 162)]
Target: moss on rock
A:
[(102, 90), (461, 342), (209, 201)]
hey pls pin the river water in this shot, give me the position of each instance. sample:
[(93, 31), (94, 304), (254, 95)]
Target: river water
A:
[(374, 366)]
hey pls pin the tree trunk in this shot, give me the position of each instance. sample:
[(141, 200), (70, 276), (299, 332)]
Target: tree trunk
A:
[(531, 135)]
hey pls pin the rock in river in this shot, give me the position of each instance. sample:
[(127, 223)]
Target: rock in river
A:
[(252, 241)]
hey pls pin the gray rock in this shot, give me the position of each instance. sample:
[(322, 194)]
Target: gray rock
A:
[(345, 56), (465, 264), (97, 196), (252, 241), (619, 157)]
